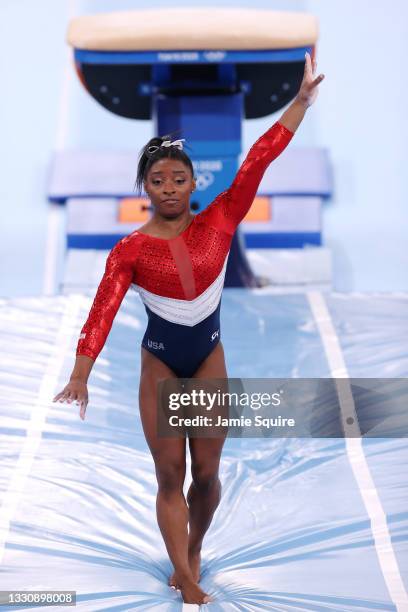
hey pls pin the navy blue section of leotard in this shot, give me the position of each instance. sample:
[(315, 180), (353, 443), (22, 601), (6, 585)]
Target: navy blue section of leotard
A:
[(181, 347)]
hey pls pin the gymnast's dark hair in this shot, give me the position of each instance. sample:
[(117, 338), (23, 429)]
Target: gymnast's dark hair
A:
[(147, 158)]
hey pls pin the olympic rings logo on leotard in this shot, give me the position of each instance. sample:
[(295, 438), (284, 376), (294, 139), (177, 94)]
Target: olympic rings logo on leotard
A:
[(204, 180)]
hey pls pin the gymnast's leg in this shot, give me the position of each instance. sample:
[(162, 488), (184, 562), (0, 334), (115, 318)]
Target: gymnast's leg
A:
[(169, 455), (205, 490)]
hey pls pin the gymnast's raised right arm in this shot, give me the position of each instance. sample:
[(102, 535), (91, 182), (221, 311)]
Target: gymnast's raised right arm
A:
[(230, 207)]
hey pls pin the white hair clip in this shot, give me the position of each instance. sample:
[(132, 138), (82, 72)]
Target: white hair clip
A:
[(166, 143), (175, 143)]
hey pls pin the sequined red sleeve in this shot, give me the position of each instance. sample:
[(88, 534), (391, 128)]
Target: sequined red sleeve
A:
[(111, 291), (231, 206)]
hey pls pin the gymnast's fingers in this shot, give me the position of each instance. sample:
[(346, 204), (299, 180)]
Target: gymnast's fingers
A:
[(72, 396), (84, 403), (308, 64), (317, 80), (62, 396)]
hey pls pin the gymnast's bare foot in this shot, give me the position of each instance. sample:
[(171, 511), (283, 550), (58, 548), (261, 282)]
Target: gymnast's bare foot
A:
[(194, 559), (174, 581), (191, 592)]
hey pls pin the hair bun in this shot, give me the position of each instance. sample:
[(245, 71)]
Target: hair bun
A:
[(152, 146)]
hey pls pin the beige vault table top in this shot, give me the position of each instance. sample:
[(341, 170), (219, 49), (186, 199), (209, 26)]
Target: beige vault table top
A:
[(193, 28)]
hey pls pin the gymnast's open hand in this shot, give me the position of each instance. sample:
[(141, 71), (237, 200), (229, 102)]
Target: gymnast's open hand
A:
[(76, 390), (308, 89)]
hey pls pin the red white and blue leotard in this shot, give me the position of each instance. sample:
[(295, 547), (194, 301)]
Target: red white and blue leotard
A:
[(180, 280)]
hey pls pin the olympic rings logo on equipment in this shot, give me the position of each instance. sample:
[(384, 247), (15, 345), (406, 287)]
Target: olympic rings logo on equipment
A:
[(204, 180), (214, 56)]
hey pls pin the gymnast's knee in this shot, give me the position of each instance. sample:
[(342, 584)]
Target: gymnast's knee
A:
[(204, 478), (170, 476)]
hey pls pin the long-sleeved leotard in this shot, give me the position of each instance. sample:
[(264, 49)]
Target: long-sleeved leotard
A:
[(180, 279)]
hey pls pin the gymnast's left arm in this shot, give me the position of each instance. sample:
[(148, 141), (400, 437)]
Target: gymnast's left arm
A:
[(237, 200)]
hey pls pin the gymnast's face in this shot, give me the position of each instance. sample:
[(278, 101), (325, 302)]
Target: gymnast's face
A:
[(169, 184)]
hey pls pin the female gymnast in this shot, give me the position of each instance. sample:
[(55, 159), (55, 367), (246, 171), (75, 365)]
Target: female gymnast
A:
[(177, 263)]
